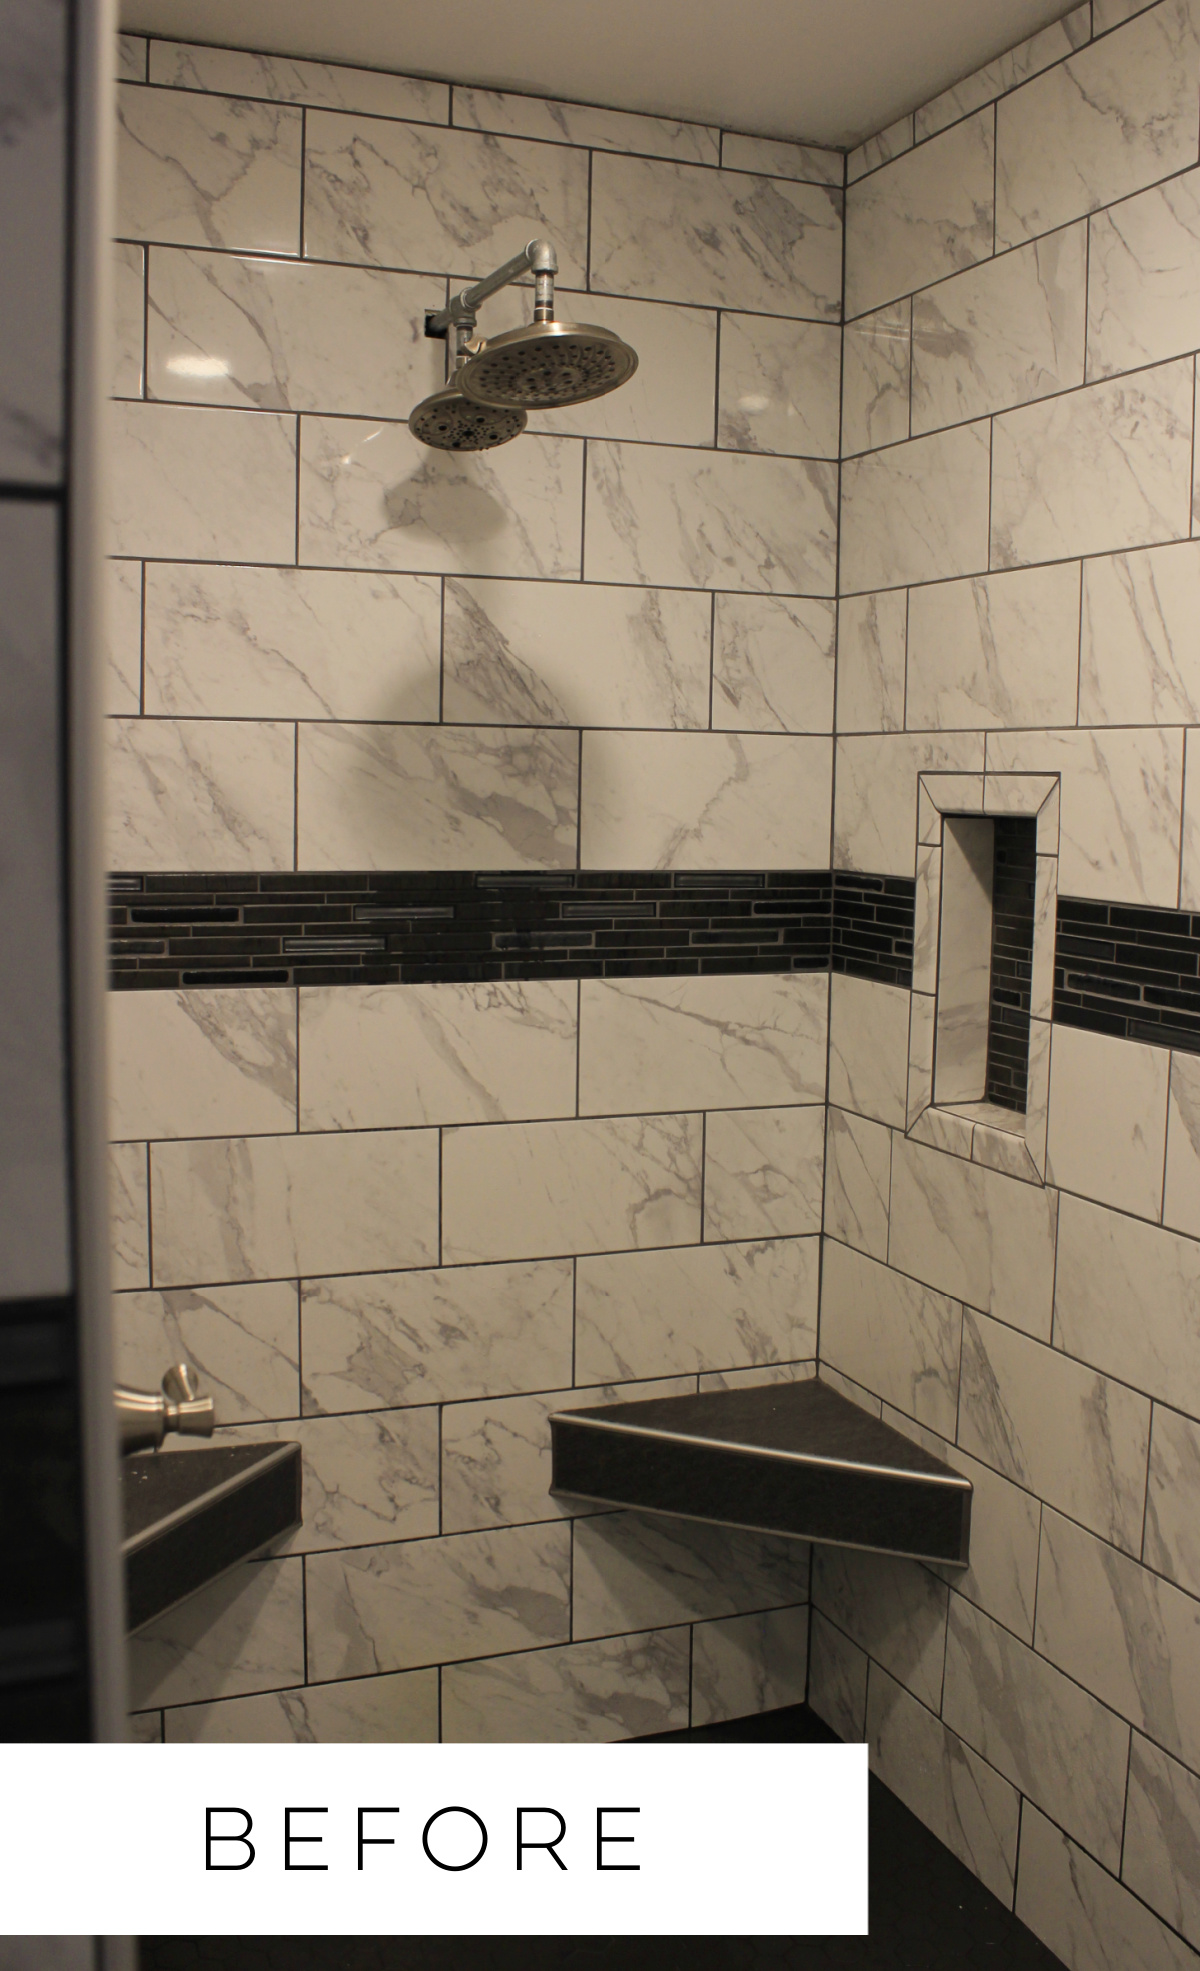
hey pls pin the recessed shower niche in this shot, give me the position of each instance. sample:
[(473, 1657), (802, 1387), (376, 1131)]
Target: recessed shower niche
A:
[(983, 967)]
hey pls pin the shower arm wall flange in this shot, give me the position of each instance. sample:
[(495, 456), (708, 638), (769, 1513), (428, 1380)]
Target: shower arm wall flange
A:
[(456, 321)]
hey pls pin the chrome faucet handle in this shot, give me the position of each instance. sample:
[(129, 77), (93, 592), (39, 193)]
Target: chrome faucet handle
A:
[(181, 1384), (145, 1417)]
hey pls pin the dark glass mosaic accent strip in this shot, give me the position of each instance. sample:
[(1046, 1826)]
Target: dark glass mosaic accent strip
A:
[(1129, 971), (379, 928), (1014, 877), (873, 926)]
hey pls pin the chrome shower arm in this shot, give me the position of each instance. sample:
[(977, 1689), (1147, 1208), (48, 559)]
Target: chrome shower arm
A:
[(538, 258)]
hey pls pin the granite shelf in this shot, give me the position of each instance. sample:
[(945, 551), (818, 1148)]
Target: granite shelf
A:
[(792, 1458), (191, 1514)]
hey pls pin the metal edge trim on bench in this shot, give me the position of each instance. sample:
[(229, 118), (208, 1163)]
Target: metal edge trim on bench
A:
[(954, 1481)]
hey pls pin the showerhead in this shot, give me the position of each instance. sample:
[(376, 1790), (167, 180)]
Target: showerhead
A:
[(547, 365), (451, 422)]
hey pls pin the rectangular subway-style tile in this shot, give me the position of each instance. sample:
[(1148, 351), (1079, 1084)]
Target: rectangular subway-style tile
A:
[(129, 319), (763, 1172), (129, 1214), (924, 215), (778, 386), (1082, 1913), (378, 1340), (1162, 1835), (995, 650), (280, 79), (390, 194), (875, 809), (431, 1601), (695, 1308), (1172, 1543), (886, 144), (436, 797), (747, 1664), (1181, 1191), (868, 1048), (872, 632), (1112, 118), (635, 1571), (579, 1693), (202, 485), (876, 365), (202, 1063), (579, 123), (894, 1609), (195, 170), (719, 800), (975, 1234), (1139, 662), (528, 1190), (123, 684), (709, 520), (200, 794), (397, 1056), (858, 1182), (671, 232), (368, 1479), (837, 1679), (772, 663), (271, 1207), (896, 1337), (1125, 1301), (729, 1041), (1108, 1119), (401, 1709), (1142, 303), (1028, 58), (242, 1341), (243, 1632), (779, 158), (917, 512)]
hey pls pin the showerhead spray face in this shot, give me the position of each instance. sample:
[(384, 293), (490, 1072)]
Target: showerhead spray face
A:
[(547, 365), (451, 422)]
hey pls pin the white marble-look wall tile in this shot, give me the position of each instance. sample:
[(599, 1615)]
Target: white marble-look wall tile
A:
[(200, 794), (880, 149), (634, 1572), (1126, 1301), (670, 232), (35, 90), (189, 484), (659, 800), (1181, 1191), (837, 1679), (778, 386), (496, 1454), (132, 52), (892, 1335), (376, 1341), (280, 79), (231, 642), (716, 520), (777, 158), (764, 1377), (366, 1478), (528, 1190), (893, 1608), (271, 1207), (392, 195), (872, 630), (868, 1048), (763, 1172), (243, 1632), (202, 1063), (697, 1308), (772, 663), (875, 814), (970, 1232), (581, 123), (1122, 1632), (1114, 117), (1064, 1750), (583, 1693), (1161, 1836), (996, 650), (1139, 657), (917, 512), (371, 496), (748, 1664), (429, 1601), (1105, 467), (123, 636), (396, 1056), (1189, 857), (925, 215), (858, 1177), (1121, 793), (129, 1214), (996, 78), (197, 170), (421, 797), (1142, 295), (563, 654), (960, 1798), (1172, 1544), (669, 399), (278, 335), (1084, 1915), (876, 363), (1107, 14), (852, 1391), (396, 1710), (1068, 1435), (1108, 1119), (129, 319), (242, 1341), (718, 1041), (1001, 334)]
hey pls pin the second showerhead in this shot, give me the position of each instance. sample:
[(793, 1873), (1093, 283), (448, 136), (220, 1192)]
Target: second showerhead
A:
[(546, 365)]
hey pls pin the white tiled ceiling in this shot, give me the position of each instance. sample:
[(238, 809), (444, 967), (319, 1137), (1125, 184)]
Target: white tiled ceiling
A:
[(831, 71)]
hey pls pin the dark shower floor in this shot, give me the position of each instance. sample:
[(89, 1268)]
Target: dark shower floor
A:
[(928, 1913)]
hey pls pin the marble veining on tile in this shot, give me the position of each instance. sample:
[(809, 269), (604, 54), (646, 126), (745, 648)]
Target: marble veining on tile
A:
[(871, 653), (1082, 1913), (579, 123), (1142, 301), (876, 363), (1172, 1542), (633, 1571), (191, 485), (123, 680), (392, 194), (925, 215), (970, 1232), (241, 1633), (744, 1665), (129, 1214), (202, 1063), (242, 1341), (763, 1172), (995, 650), (880, 149), (772, 663), (918, 511), (1108, 1119), (777, 158), (367, 1478), (280, 79), (778, 386), (1139, 662), (401, 1709), (667, 800), (893, 1608), (858, 1176), (1017, 65), (875, 813), (1126, 1301), (200, 794), (1181, 1191), (208, 171), (129, 314), (670, 232), (896, 1337), (1162, 1836), (580, 1693)]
